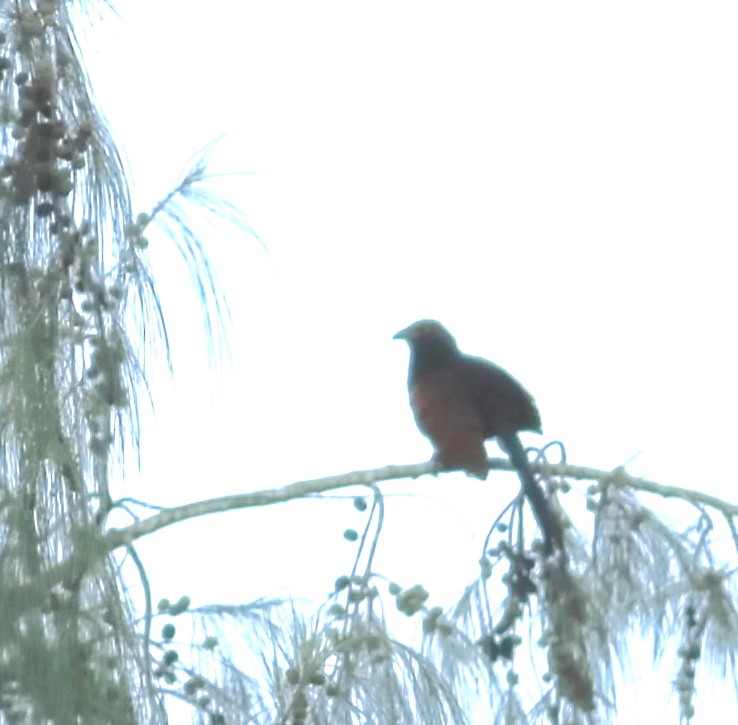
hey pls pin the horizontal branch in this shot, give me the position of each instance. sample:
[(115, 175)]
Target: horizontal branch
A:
[(267, 497), (303, 489), (92, 547), (620, 478)]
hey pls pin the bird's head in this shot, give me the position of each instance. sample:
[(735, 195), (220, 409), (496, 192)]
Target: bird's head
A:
[(428, 337)]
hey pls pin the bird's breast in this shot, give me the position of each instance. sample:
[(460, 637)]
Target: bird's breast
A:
[(443, 407)]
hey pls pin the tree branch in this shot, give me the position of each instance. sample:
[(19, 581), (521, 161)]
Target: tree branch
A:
[(303, 489), (91, 547), (618, 477), (300, 489)]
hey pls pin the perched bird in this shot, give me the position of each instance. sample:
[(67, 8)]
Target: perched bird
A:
[(460, 401)]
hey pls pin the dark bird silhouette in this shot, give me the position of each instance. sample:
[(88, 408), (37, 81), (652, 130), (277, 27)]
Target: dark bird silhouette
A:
[(460, 401)]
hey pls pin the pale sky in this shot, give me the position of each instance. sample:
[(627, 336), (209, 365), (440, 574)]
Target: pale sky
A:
[(555, 181)]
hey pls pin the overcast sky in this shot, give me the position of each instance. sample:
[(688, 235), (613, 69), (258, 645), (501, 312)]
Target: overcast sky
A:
[(555, 181)]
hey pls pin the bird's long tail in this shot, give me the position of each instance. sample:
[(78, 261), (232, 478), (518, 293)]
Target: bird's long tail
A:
[(553, 534)]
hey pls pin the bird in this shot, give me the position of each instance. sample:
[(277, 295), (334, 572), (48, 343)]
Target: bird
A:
[(459, 401)]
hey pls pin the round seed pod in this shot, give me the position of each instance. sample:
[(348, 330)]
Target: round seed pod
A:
[(46, 178), (44, 209)]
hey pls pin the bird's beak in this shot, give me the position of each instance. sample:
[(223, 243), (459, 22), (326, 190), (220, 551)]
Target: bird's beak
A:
[(401, 335)]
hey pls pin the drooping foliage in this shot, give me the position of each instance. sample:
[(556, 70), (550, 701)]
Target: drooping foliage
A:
[(78, 310)]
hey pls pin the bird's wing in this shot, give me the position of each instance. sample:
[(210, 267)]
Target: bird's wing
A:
[(504, 405)]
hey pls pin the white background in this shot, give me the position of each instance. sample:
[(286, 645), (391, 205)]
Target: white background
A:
[(555, 181)]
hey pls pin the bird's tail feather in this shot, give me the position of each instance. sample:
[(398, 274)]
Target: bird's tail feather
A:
[(553, 533)]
